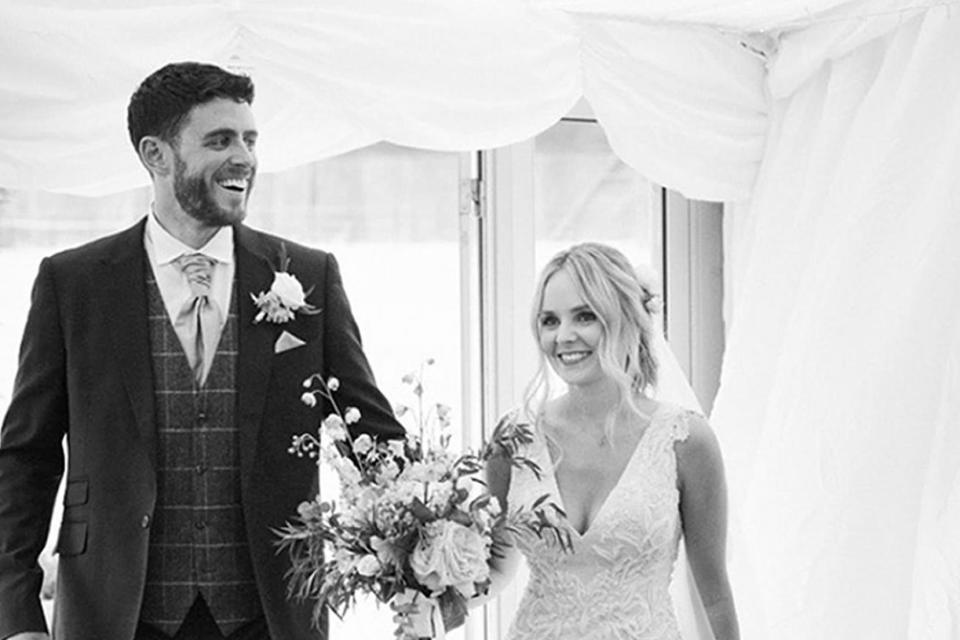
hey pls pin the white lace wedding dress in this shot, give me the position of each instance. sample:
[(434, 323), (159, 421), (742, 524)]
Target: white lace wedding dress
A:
[(614, 585)]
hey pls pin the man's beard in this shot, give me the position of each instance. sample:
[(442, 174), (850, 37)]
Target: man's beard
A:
[(196, 199)]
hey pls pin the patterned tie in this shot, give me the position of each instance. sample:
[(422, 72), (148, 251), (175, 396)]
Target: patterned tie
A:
[(199, 318)]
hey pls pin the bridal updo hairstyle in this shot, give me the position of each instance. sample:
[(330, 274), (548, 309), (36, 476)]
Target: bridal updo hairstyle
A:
[(609, 284)]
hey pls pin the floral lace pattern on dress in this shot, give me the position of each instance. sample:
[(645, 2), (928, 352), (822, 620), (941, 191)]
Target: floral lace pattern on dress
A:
[(615, 583)]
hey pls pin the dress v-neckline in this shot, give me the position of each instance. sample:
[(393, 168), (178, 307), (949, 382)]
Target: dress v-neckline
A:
[(616, 485)]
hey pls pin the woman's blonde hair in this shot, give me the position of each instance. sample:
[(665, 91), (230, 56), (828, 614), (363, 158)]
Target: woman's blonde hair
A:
[(610, 286)]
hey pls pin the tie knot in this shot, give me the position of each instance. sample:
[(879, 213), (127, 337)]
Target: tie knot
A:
[(198, 269)]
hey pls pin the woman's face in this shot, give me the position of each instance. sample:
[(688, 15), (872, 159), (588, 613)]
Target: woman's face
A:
[(570, 332)]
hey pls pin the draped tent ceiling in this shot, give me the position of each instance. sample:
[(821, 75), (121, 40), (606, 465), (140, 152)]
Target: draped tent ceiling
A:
[(675, 84), (834, 126)]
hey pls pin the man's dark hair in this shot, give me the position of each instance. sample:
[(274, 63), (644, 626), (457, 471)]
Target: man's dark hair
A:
[(163, 100)]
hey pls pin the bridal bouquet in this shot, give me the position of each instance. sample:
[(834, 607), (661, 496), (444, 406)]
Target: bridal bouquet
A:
[(414, 525)]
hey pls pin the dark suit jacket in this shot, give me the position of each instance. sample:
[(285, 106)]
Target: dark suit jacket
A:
[(85, 372)]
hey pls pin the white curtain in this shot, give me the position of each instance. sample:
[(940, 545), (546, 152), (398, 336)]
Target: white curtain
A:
[(835, 124), (840, 404)]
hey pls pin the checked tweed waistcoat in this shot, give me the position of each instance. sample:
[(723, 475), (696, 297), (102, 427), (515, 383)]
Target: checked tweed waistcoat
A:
[(198, 543)]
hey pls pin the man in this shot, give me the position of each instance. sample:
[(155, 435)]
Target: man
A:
[(178, 393)]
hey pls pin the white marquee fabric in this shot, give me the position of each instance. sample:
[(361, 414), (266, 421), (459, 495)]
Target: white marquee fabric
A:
[(331, 77), (836, 125), (341, 74), (840, 404)]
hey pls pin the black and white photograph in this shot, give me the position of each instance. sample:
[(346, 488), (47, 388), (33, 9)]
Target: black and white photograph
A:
[(480, 320)]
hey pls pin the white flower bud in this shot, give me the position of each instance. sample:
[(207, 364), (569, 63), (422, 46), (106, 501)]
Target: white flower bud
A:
[(362, 444), (334, 427), (369, 565)]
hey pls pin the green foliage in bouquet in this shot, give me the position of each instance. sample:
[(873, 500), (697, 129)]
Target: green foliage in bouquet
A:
[(411, 515)]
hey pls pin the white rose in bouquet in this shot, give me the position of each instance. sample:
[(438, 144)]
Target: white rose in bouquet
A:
[(450, 555)]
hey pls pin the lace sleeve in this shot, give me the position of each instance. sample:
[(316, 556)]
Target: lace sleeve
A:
[(679, 422)]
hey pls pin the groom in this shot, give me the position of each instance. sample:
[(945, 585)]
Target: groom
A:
[(178, 394)]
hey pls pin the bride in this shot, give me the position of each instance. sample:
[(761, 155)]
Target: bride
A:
[(633, 475)]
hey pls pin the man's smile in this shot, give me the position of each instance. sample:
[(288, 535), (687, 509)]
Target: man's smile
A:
[(238, 185)]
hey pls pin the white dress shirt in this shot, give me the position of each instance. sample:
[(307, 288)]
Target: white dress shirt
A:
[(162, 249)]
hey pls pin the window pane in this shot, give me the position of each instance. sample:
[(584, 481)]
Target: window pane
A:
[(585, 192), (390, 216)]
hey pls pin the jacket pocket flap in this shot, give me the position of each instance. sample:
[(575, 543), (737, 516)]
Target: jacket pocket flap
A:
[(76, 493), (73, 539)]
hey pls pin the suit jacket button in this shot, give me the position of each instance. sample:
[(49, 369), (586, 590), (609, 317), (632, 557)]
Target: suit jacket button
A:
[(145, 521)]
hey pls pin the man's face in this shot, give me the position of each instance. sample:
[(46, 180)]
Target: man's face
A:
[(215, 162)]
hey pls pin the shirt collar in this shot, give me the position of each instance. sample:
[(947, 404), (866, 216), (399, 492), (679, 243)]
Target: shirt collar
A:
[(167, 248)]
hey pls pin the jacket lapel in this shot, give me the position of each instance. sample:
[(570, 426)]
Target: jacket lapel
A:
[(254, 274), (123, 276)]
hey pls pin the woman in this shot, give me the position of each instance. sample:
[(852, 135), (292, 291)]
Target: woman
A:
[(631, 474)]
